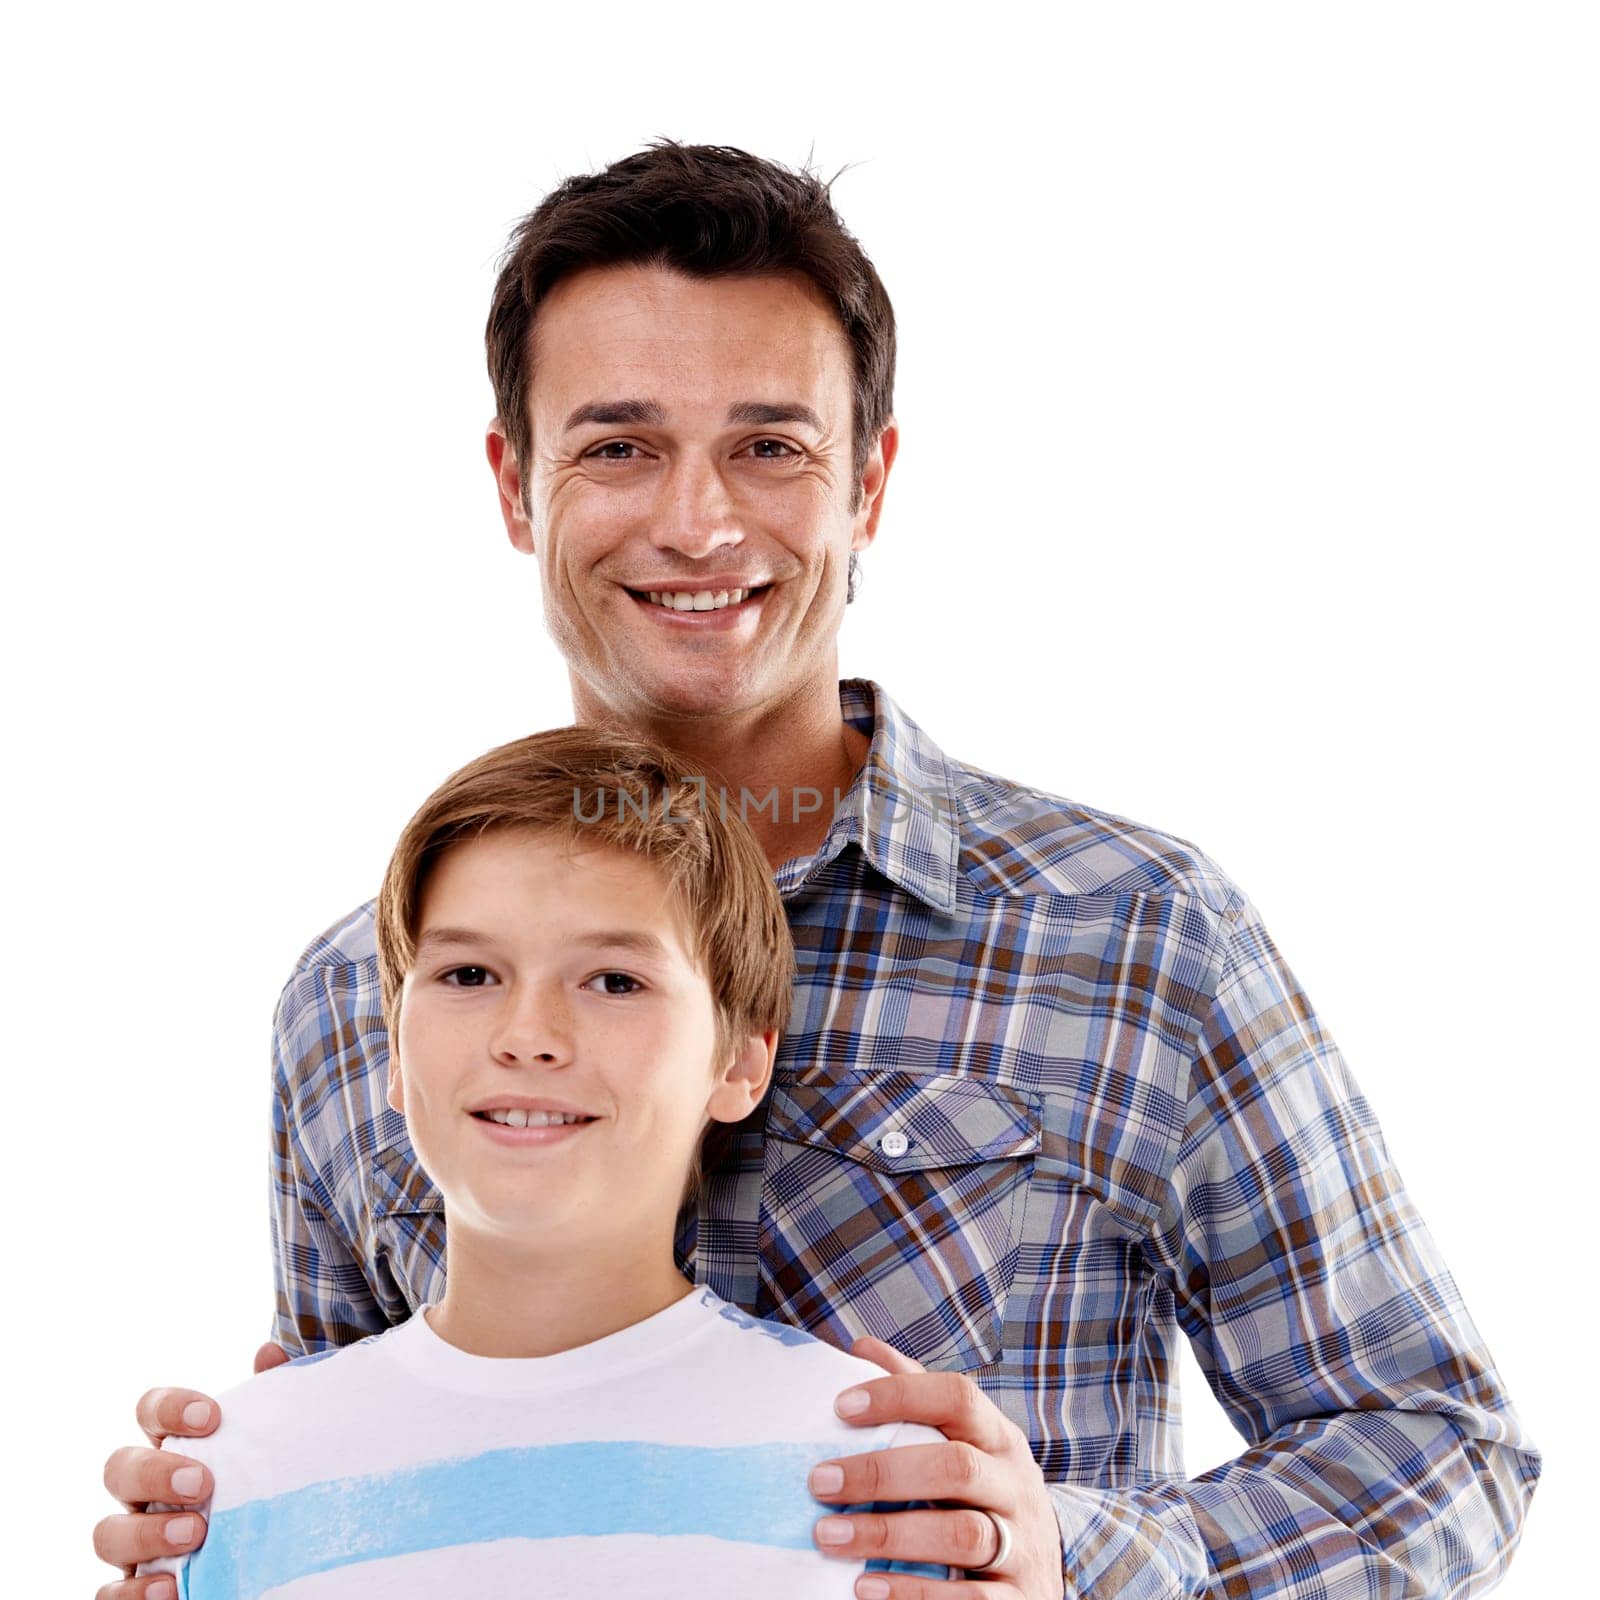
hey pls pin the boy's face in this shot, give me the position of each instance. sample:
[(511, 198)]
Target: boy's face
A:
[(553, 979)]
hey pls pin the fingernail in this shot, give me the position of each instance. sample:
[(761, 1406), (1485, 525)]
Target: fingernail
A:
[(827, 1480), (180, 1530), (834, 1530), (872, 1589), (186, 1482), (162, 1589), (197, 1413), (852, 1402)]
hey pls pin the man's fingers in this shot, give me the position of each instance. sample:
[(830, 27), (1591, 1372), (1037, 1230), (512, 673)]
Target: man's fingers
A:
[(136, 1476), (886, 1356), (960, 1539), (160, 1587), (906, 1586), (948, 1401), (911, 1472), (164, 1412), (137, 1536), (270, 1356)]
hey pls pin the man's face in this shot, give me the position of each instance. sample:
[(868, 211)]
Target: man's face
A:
[(553, 980), (691, 437)]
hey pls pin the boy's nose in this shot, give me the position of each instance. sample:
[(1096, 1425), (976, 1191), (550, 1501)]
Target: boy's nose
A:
[(531, 1028)]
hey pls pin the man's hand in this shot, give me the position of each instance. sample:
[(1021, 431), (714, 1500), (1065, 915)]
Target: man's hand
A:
[(986, 1466), (138, 1476)]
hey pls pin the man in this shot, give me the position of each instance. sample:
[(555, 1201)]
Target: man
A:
[(1049, 1091)]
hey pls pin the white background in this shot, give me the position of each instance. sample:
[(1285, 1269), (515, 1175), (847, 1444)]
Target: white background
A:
[(1248, 488)]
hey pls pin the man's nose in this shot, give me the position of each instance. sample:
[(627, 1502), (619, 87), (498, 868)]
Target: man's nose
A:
[(697, 513), (533, 1025)]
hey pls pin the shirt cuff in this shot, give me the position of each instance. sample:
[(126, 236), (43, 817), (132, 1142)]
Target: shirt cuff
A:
[(1123, 1545)]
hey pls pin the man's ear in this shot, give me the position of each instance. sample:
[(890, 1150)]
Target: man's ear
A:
[(743, 1081), (397, 1093), (874, 477), (508, 480)]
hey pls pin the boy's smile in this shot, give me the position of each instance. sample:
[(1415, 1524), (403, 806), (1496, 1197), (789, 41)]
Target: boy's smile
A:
[(541, 1128)]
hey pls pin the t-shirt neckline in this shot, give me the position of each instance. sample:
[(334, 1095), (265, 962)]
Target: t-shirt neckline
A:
[(435, 1360)]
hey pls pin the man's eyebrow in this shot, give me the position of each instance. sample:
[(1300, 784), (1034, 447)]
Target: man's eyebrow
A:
[(651, 414), (763, 412), (645, 412)]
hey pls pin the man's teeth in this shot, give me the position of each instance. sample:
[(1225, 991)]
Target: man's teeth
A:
[(699, 600), (533, 1119)]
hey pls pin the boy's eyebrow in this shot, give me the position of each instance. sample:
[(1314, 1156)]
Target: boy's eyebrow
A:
[(607, 938), (646, 944), (438, 936)]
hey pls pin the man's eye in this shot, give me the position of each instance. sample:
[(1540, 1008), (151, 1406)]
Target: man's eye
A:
[(762, 445), (467, 977), (613, 982), (600, 451)]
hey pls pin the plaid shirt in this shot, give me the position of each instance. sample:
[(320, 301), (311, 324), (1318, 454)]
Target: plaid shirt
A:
[(1049, 1094)]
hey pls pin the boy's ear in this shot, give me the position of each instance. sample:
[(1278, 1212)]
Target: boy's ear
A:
[(397, 1096), (744, 1081)]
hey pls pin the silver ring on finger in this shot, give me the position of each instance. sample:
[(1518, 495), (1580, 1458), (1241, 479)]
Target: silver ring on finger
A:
[(1001, 1556)]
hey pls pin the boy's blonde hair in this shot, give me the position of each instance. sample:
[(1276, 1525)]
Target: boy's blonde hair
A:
[(591, 787)]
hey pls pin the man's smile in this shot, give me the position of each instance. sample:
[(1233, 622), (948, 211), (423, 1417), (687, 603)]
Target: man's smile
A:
[(700, 599), (708, 608)]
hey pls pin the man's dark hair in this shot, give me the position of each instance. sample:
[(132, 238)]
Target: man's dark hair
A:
[(708, 211)]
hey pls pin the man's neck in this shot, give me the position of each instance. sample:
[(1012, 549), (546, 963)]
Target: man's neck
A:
[(782, 766)]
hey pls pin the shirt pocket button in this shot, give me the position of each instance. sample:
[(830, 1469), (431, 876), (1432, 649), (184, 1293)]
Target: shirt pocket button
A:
[(894, 1144)]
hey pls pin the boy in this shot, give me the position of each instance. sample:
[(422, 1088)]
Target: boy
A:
[(585, 972)]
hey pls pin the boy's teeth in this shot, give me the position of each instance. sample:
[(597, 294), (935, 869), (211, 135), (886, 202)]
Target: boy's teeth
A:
[(532, 1119), (698, 599)]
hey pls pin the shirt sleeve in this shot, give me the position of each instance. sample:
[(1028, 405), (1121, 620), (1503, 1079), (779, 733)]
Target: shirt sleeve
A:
[(323, 1297), (1384, 1457)]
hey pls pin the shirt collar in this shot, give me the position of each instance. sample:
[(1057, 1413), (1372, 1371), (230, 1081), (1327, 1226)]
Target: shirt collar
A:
[(900, 811)]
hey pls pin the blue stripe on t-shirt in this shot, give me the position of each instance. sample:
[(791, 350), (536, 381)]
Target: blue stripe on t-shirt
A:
[(750, 1494)]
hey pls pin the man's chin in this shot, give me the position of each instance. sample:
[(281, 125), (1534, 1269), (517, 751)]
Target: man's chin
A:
[(710, 695)]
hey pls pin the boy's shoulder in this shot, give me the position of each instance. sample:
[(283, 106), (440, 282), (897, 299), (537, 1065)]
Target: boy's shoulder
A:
[(784, 1345), (276, 1406), (783, 1381)]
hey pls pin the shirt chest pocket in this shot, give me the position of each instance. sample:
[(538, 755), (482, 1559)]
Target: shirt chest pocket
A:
[(891, 1206)]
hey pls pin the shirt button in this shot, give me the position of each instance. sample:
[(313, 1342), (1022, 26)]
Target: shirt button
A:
[(894, 1144)]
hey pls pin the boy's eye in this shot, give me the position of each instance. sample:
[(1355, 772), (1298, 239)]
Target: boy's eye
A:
[(467, 977), (615, 982)]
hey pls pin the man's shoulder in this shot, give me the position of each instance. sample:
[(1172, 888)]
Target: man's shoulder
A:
[(335, 975), (1015, 839), (351, 941)]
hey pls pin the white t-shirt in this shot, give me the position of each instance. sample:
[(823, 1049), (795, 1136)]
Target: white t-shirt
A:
[(668, 1459)]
